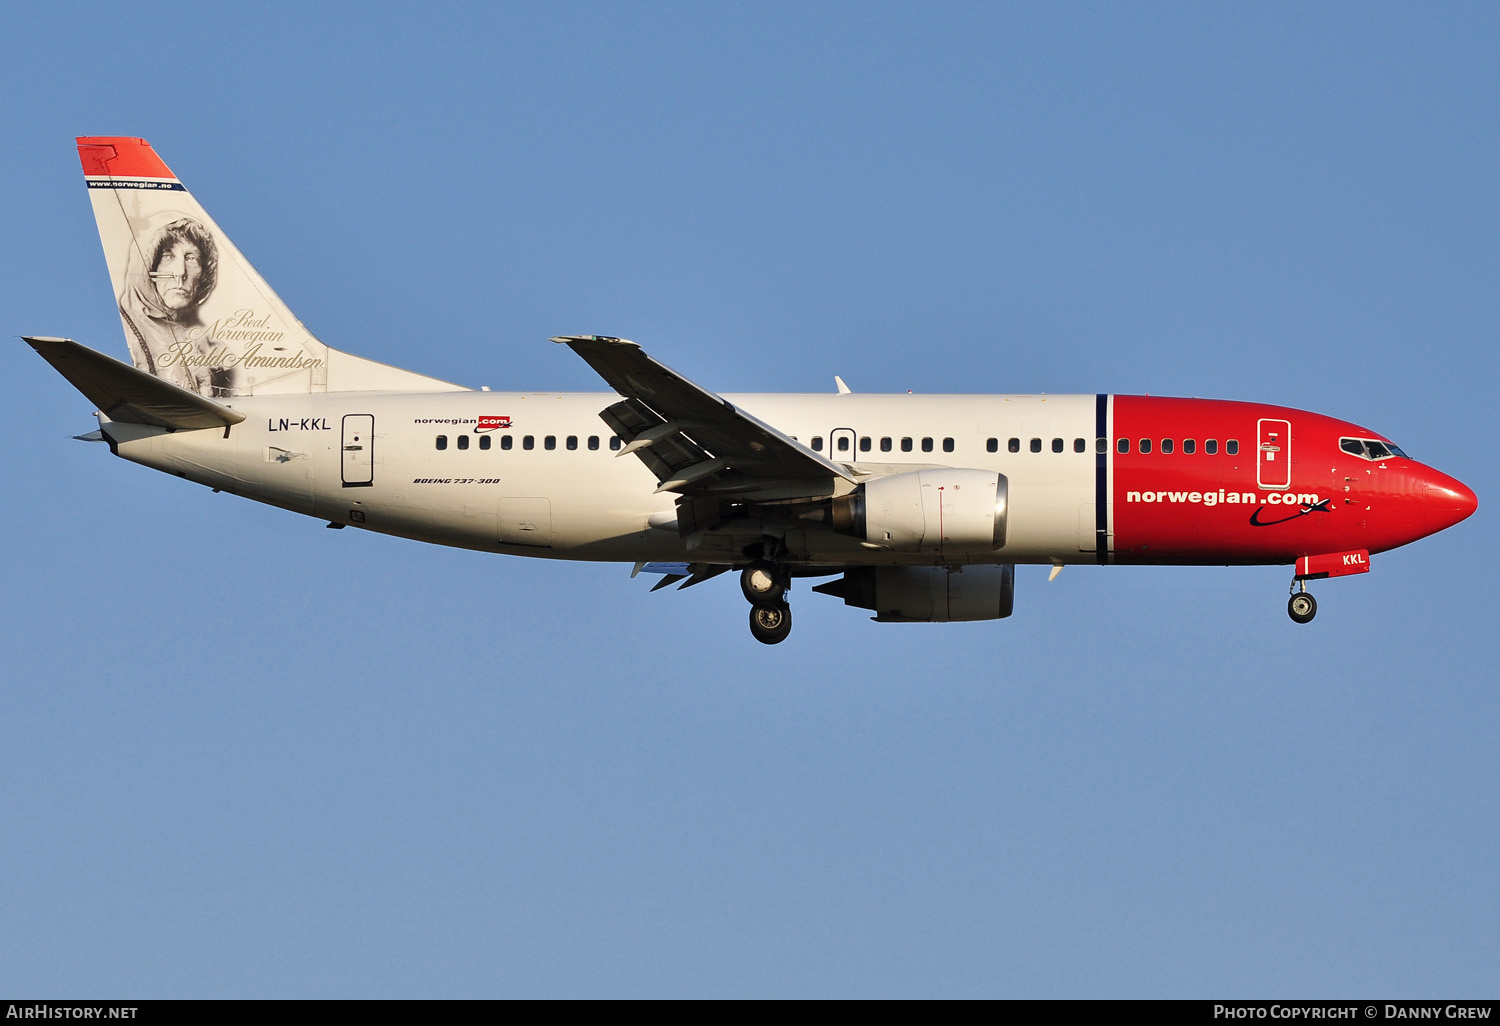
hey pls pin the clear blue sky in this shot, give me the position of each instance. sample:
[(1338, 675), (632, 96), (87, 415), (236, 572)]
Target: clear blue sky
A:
[(247, 756)]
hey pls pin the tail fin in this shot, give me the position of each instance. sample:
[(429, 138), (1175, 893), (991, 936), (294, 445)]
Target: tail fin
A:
[(195, 312)]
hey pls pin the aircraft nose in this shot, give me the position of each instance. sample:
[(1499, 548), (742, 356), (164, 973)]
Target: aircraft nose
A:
[(1449, 500)]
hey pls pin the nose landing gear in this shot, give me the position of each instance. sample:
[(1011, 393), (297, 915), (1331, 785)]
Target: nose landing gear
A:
[(765, 584), (1302, 607)]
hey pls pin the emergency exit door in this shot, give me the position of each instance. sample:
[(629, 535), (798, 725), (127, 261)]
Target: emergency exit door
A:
[(841, 445), (359, 450)]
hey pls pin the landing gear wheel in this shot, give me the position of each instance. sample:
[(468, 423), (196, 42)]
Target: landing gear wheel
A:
[(1302, 607), (770, 624), (764, 583)]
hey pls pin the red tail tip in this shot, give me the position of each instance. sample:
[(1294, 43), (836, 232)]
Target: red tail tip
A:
[(120, 157)]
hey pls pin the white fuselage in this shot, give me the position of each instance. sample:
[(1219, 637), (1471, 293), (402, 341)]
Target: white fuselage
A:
[(567, 496)]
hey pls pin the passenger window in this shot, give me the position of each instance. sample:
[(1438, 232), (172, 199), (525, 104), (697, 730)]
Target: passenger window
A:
[(615, 444), (1122, 446), (927, 445), (1101, 445), (1189, 446), (947, 445), (885, 444), (1166, 445), (1211, 446), (1232, 447), (593, 442), (1057, 445), (992, 445), (572, 442), (843, 443), (549, 443), (1036, 445), (864, 443), (817, 443), (463, 441), (906, 445), (442, 441), (1079, 445), (506, 441), (485, 441), (1145, 445), (1014, 445), (528, 442)]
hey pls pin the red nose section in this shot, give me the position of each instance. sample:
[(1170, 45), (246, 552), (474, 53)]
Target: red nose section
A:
[(1448, 501)]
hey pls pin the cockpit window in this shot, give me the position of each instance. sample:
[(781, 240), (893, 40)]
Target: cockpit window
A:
[(1370, 448)]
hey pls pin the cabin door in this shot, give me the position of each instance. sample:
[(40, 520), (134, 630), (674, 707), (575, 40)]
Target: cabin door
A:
[(359, 450), (1273, 467)]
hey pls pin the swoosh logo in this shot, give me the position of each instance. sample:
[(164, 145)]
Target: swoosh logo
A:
[(1318, 507)]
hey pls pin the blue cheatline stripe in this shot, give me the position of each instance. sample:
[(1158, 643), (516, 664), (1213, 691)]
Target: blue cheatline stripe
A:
[(1101, 480), (134, 183)]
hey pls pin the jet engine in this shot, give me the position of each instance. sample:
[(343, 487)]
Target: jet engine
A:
[(948, 511), (928, 594)]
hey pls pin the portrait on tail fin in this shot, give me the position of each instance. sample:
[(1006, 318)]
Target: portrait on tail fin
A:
[(166, 284), (194, 311)]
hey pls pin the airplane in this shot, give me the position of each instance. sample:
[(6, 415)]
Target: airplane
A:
[(919, 507)]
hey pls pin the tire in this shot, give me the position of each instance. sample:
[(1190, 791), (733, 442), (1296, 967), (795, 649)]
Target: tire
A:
[(763, 583), (1302, 607), (770, 625)]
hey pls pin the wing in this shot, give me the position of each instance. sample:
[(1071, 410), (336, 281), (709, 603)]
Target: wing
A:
[(695, 442)]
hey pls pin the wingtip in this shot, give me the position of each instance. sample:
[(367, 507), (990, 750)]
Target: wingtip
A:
[(568, 340)]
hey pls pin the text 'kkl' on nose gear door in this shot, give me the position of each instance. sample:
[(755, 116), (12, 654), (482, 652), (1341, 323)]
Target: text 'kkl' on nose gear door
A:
[(1273, 468), (359, 450)]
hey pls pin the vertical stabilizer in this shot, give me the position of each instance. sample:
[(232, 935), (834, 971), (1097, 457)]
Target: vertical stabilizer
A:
[(195, 312)]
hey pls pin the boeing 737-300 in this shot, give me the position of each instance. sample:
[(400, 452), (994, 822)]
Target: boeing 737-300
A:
[(919, 507)]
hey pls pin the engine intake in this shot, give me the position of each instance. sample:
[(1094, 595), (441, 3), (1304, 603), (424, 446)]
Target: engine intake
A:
[(949, 511)]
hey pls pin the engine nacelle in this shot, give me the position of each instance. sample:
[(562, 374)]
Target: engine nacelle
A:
[(948, 511), (928, 594)]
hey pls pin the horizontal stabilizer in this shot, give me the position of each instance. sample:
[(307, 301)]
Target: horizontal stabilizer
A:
[(123, 393), (689, 573)]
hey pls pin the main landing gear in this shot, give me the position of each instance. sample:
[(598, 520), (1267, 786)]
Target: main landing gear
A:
[(770, 625), (1301, 607), (765, 585)]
